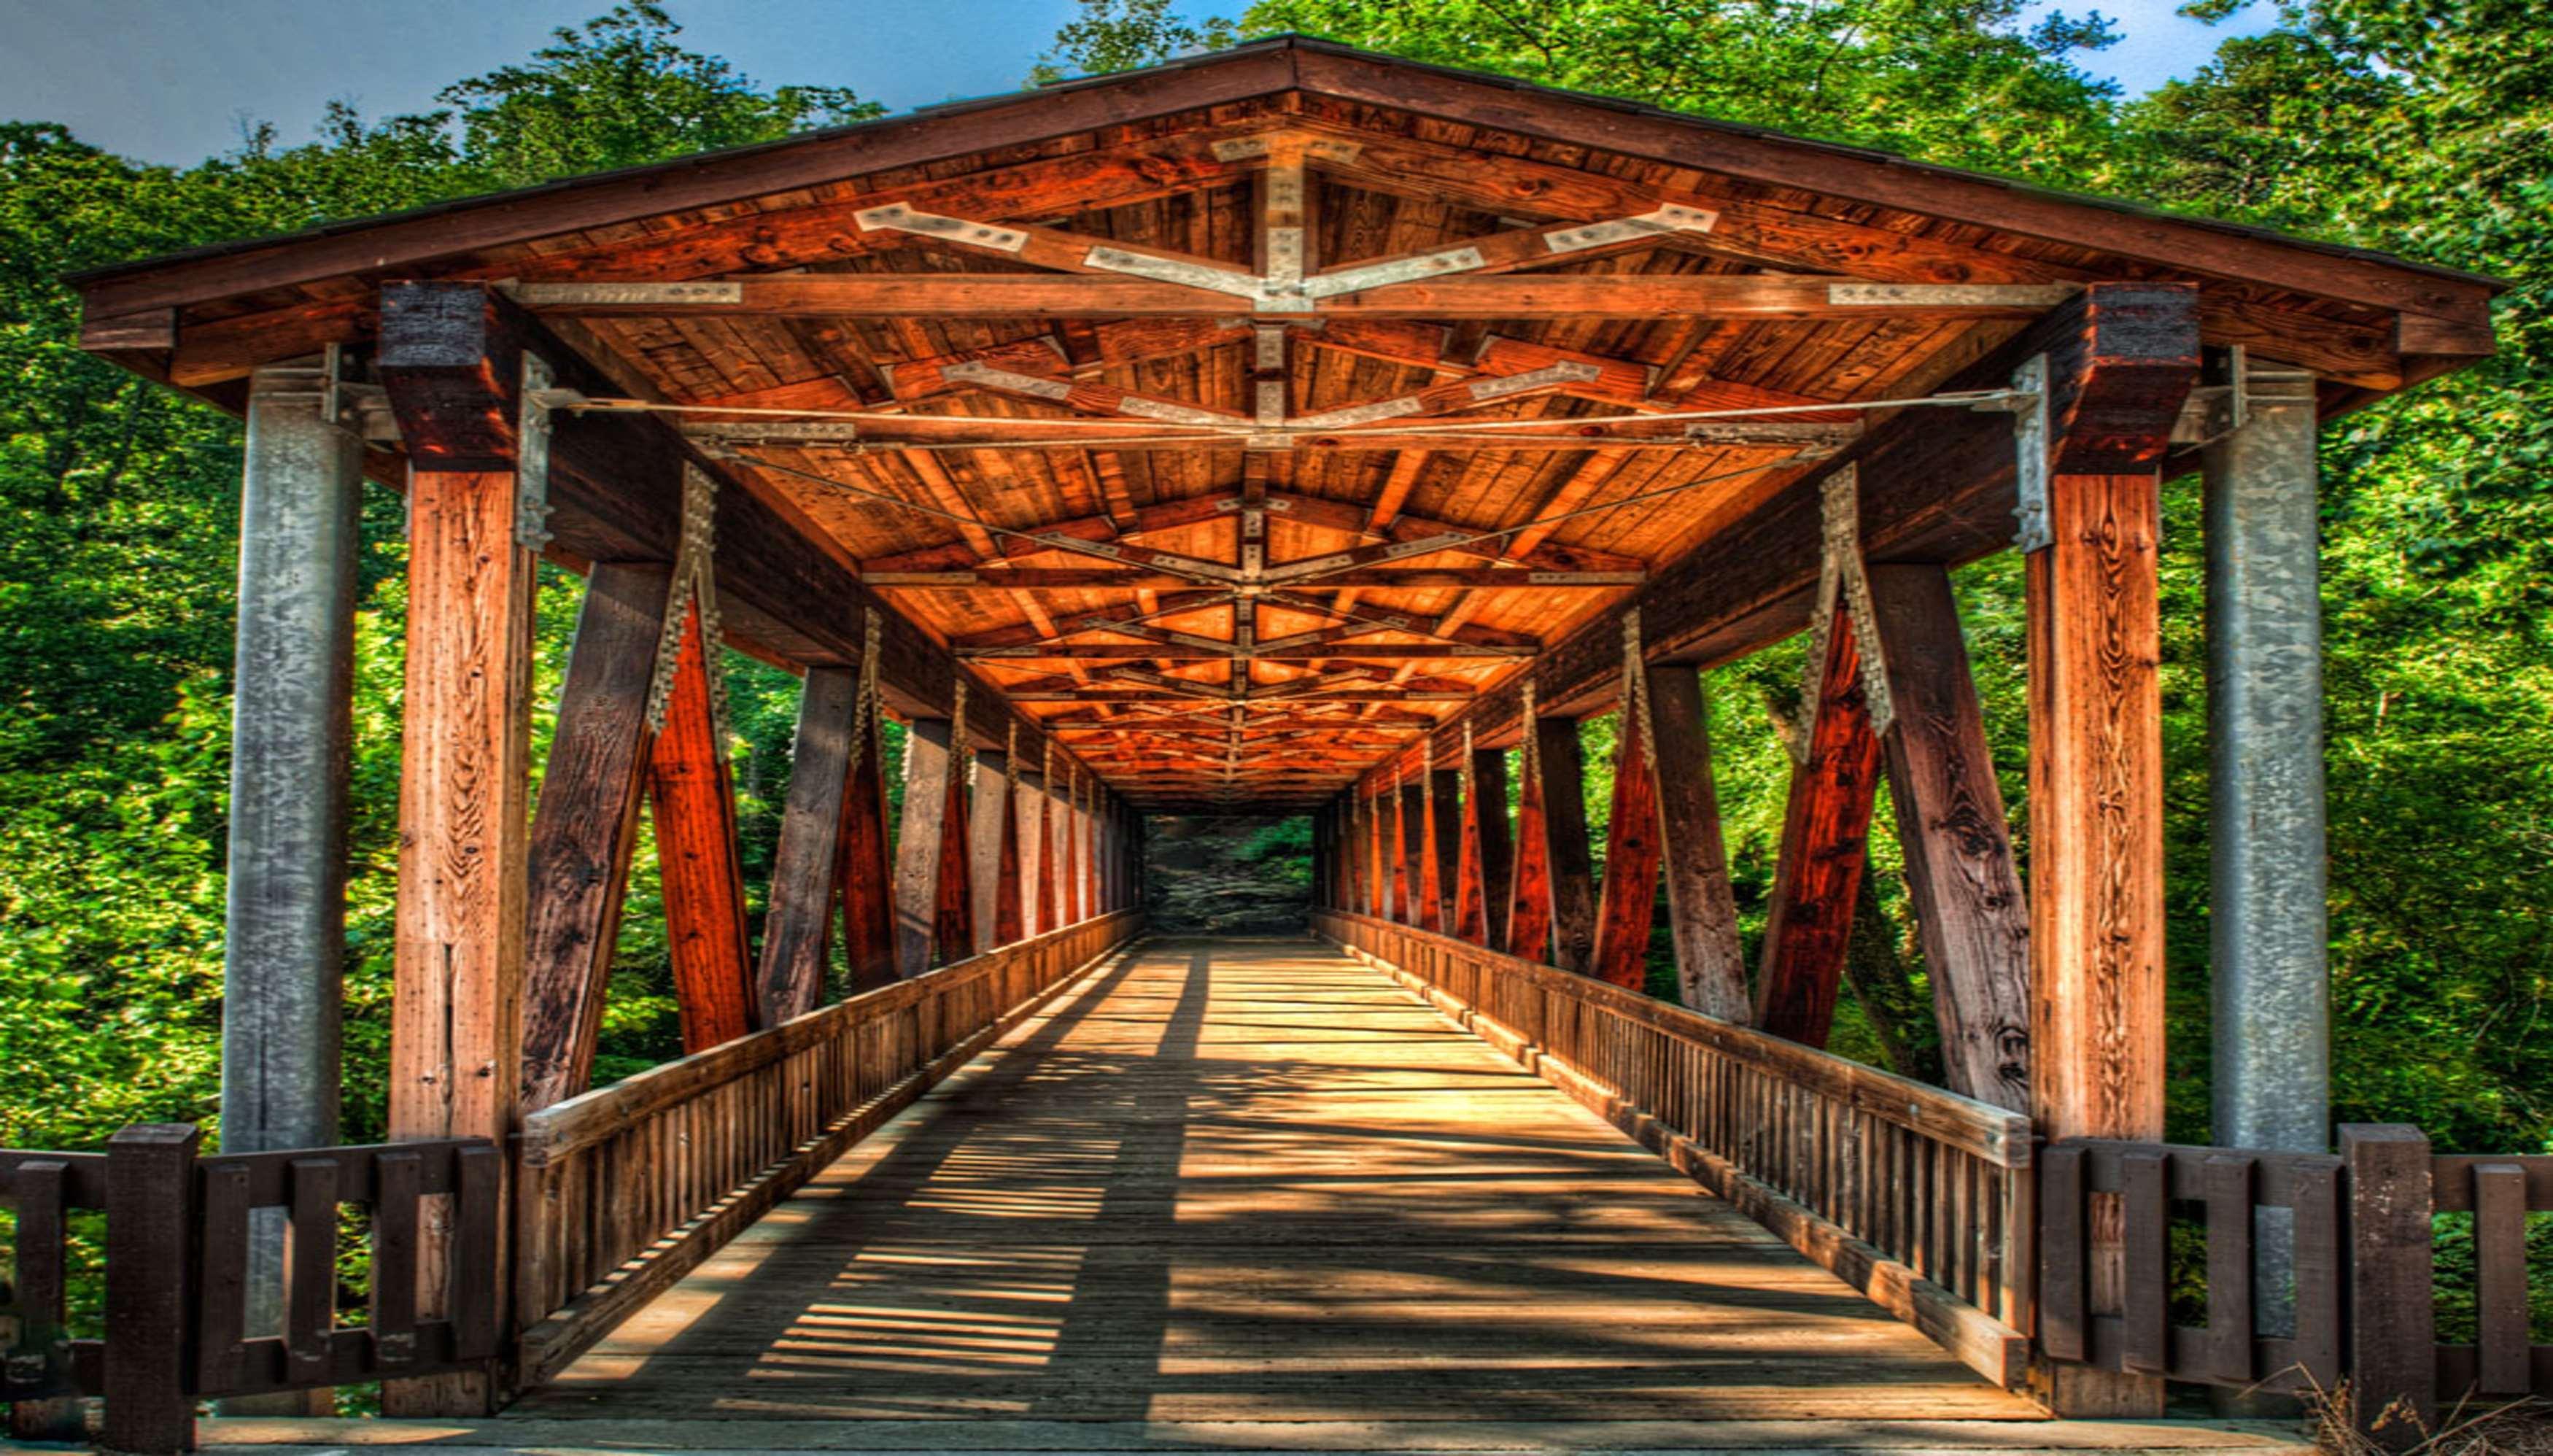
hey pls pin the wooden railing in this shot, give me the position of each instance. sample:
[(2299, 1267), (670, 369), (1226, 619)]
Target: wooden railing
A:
[(2351, 1292), (622, 1190), (179, 1265), (1919, 1198)]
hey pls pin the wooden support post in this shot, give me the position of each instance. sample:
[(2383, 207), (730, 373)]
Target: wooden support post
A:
[(1491, 843), (1824, 830), (1030, 810), (1379, 810), (1627, 911), (2392, 1336), (1407, 876), (1445, 842), (1969, 909), (2096, 910), (805, 875), (693, 797), (150, 1288), (585, 825), (933, 897), (868, 864), (988, 808), (452, 371), (1701, 910)]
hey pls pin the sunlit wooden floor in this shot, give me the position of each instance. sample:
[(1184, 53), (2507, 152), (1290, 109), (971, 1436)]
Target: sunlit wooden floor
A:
[(1254, 1181)]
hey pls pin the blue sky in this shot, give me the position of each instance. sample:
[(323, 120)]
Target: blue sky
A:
[(174, 81)]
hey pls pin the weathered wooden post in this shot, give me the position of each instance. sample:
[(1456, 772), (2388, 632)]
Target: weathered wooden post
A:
[(931, 890), (291, 726), (149, 1288), (805, 870), (467, 394), (2393, 1315), (2101, 404)]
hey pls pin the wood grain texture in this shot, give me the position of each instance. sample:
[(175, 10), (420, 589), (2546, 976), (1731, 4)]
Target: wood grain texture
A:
[(1960, 874), (805, 870), (1701, 909), (1627, 905), (1825, 825), (586, 825), (1528, 932), (1444, 839), (2096, 854), (455, 1021), (868, 870), (1256, 1183), (691, 792), (923, 824)]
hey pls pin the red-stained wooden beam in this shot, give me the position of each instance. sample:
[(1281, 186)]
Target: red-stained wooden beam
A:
[(1629, 908), (868, 868), (585, 825), (1824, 840), (694, 803)]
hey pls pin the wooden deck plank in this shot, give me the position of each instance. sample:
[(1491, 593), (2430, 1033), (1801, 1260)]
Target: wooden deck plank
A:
[(1258, 1182)]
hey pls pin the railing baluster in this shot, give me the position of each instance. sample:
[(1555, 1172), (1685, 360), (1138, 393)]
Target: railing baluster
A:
[(399, 1181), (2145, 1346), (221, 1324), (310, 1270), (2227, 1182), (2500, 1269)]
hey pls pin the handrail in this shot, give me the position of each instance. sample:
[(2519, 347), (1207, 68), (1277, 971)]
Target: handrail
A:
[(1917, 1196), (623, 1190)]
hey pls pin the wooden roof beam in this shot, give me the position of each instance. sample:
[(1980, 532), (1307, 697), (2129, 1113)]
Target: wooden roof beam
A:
[(1388, 578), (1029, 295)]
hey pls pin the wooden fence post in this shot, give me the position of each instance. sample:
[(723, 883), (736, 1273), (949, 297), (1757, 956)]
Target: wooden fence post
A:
[(2393, 1334), (150, 1287)]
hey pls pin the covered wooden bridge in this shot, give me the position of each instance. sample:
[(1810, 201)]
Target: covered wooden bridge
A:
[(1290, 430)]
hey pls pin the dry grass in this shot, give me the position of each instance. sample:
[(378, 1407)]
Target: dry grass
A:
[(2471, 1428)]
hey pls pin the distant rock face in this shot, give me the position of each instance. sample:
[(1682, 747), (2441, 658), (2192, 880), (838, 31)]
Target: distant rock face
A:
[(1226, 877)]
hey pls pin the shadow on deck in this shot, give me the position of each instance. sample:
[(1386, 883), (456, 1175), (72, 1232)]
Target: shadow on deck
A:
[(1254, 1194)]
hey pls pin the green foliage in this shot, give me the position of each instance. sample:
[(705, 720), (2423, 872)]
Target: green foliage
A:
[(118, 530)]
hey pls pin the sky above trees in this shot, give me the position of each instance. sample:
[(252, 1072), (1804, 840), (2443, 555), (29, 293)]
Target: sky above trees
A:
[(175, 83)]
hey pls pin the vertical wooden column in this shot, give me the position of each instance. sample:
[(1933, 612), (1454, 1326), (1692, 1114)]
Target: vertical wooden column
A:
[(586, 825), (1481, 899), (1825, 827), (806, 878), (993, 855), (2116, 384), (2097, 907), (1701, 910), (1377, 831), (1406, 831), (868, 866), (692, 793), (1091, 849), (1969, 909), (933, 898), (1028, 807), (1067, 857), (1628, 910), (453, 376), (1445, 841)]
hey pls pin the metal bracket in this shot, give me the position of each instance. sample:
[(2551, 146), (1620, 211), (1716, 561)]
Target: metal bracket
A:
[(1843, 583), (532, 430), (895, 217), (800, 434), (2034, 528), (1671, 218)]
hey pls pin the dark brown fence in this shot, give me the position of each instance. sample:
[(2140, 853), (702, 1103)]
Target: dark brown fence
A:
[(2355, 1269), (179, 1268)]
